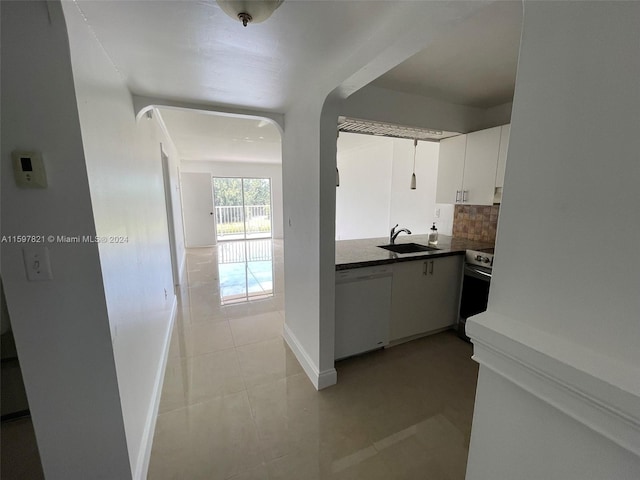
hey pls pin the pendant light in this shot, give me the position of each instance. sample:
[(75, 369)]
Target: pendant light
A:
[(413, 175)]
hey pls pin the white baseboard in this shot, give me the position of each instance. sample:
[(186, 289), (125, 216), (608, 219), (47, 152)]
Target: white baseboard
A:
[(327, 378), (319, 379), (142, 464), (400, 341)]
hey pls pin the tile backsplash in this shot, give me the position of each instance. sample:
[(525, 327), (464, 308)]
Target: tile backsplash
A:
[(476, 222)]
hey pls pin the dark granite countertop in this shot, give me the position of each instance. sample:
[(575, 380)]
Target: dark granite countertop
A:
[(365, 252)]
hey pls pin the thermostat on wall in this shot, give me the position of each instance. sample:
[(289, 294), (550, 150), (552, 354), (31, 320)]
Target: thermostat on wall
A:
[(29, 170)]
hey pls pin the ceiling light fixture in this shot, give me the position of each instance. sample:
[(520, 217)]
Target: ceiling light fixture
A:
[(412, 185), (249, 11)]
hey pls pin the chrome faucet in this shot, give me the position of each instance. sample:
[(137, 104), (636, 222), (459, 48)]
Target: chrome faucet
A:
[(394, 234)]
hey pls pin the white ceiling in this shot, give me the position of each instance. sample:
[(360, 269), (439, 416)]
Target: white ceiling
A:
[(191, 51), (474, 64), (208, 136)]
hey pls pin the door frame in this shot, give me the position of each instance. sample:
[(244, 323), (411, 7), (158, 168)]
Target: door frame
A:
[(171, 230)]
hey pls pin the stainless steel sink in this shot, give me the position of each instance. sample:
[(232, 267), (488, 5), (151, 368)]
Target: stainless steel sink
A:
[(407, 248)]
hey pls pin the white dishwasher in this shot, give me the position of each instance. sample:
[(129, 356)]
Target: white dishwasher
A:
[(363, 309)]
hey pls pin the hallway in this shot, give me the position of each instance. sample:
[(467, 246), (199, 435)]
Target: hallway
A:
[(237, 405)]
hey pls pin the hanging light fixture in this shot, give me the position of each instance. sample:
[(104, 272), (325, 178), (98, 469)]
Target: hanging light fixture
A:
[(337, 171), (249, 11), (413, 175)]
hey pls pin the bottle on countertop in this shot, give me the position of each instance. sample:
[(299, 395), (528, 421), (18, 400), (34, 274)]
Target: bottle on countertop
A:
[(433, 235)]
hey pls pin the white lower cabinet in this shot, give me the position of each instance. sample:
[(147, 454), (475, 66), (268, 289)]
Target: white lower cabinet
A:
[(425, 295)]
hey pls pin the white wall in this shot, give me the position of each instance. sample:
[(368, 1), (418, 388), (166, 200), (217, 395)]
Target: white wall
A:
[(127, 194), (61, 327), (414, 209), (375, 103), (519, 436), (363, 199), (583, 178), (564, 302), (309, 163), (496, 116), (246, 169), (301, 170), (374, 193), (444, 217)]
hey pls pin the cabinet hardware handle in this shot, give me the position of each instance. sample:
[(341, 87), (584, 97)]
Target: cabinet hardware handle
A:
[(424, 272), (457, 196), (431, 267), (465, 196)]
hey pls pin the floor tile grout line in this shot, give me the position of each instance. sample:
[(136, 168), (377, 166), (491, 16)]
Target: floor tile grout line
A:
[(203, 402), (261, 441)]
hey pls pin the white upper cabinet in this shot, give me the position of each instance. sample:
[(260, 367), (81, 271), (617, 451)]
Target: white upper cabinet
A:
[(480, 165), (471, 166), (451, 169), (502, 154)]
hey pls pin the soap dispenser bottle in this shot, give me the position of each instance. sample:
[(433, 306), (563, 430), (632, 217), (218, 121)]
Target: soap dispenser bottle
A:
[(433, 235)]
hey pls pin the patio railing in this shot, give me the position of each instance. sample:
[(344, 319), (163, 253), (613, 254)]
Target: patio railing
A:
[(232, 220), (250, 251)]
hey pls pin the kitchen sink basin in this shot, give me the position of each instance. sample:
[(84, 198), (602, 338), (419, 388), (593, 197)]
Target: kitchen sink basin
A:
[(407, 248)]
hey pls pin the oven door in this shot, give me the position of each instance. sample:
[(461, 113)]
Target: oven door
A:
[(475, 294)]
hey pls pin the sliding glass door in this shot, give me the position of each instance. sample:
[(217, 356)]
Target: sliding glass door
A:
[(257, 207), (243, 208)]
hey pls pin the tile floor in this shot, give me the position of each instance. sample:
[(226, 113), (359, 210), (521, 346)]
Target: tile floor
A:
[(19, 457), (237, 405)]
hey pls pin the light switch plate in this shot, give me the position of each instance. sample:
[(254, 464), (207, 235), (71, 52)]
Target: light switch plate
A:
[(29, 169), (37, 264)]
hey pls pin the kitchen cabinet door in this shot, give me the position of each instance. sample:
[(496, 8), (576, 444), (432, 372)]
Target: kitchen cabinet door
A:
[(480, 164), (424, 296), (444, 292), (450, 169), (502, 154)]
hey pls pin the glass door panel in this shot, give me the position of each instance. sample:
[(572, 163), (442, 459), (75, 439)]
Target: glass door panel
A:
[(227, 198), (257, 207), (243, 208)]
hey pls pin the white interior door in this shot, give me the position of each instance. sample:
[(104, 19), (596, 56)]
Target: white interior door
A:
[(170, 220), (197, 205)]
